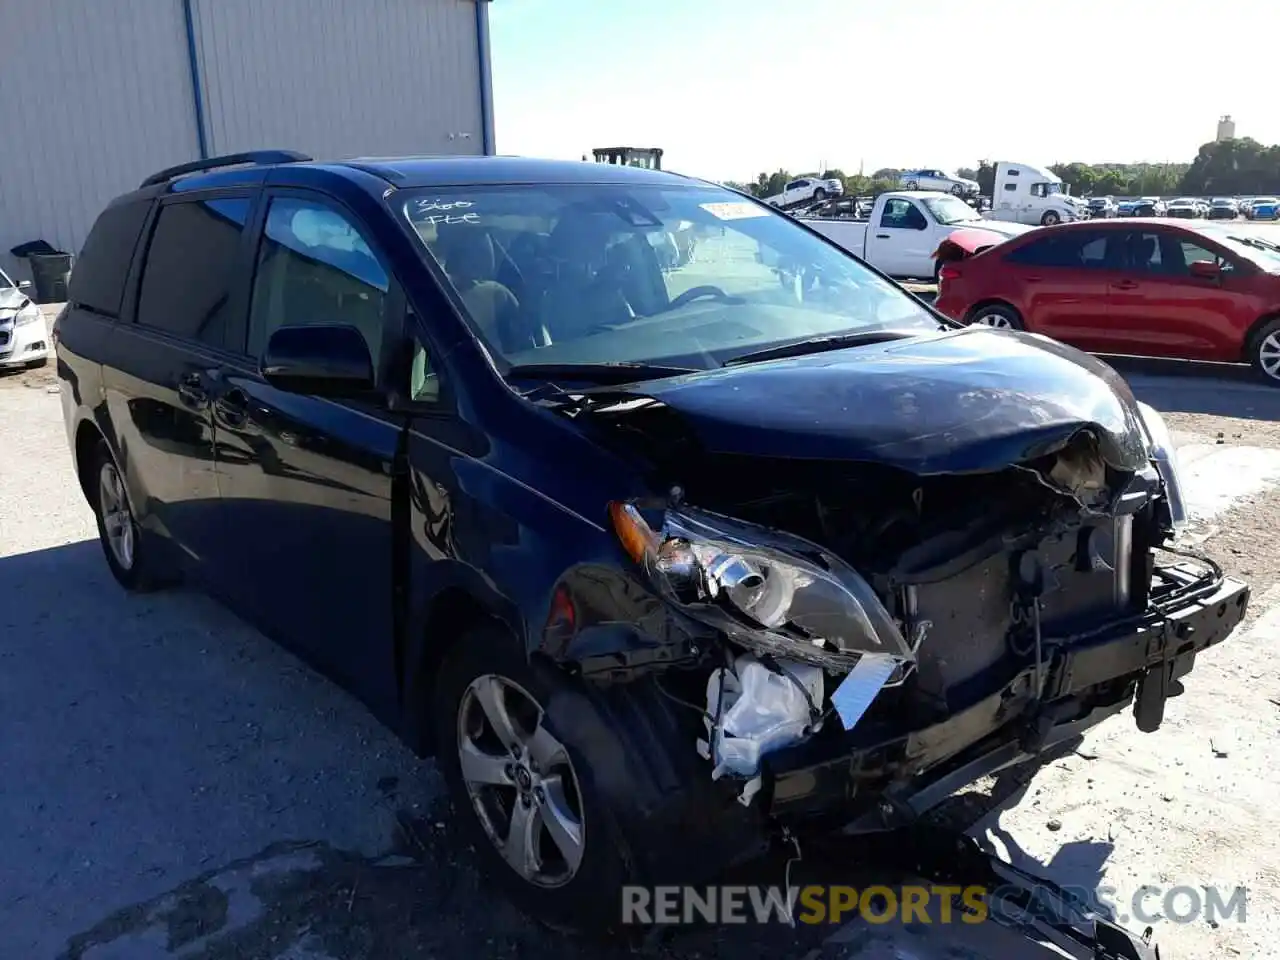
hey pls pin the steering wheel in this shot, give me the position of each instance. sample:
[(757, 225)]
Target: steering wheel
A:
[(697, 293)]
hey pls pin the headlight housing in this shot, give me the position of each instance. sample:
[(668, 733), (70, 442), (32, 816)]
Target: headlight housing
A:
[(1160, 447), (769, 592), (28, 314)]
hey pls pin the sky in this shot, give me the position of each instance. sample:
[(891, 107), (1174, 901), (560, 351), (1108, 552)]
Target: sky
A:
[(730, 88)]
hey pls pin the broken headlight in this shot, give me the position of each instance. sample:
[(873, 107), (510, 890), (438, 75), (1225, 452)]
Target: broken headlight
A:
[(1160, 449), (770, 592)]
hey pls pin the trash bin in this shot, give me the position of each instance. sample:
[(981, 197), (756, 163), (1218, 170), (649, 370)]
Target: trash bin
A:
[(49, 274)]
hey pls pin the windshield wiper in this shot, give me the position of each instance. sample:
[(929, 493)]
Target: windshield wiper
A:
[(622, 371), (818, 345)]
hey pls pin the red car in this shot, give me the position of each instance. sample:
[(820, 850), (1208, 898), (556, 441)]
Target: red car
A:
[(1192, 291)]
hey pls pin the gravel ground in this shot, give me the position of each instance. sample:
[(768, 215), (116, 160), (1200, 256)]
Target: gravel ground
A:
[(188, 788)]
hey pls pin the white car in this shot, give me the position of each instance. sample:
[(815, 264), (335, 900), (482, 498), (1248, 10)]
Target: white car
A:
[(24, 338), (805, 190), (1185, 207), (933, 179)]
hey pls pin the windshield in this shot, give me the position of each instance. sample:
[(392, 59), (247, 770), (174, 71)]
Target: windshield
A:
[(690, 276), (1261, 253), (950, 210)]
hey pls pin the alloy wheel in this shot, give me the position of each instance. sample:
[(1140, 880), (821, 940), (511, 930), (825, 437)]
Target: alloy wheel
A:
[(521, 781), (117, 520), (993, 319), (1269, 355)]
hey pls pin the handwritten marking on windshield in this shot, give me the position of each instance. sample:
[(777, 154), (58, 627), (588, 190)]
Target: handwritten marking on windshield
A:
[(451, 218), (427, 206)]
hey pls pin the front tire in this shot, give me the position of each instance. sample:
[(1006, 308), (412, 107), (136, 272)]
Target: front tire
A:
[(522, 790), (957, 190), (999, 316), (1050, 219), (819, 194), (1264, 352)]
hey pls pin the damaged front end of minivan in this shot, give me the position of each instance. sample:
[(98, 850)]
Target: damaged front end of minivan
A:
[(867, 612)]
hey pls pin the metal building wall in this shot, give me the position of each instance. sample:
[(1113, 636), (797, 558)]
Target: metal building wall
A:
[(97, 94), (94, 95), (340, 78)]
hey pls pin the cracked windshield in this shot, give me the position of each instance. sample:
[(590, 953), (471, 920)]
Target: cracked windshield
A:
[(637, 276)]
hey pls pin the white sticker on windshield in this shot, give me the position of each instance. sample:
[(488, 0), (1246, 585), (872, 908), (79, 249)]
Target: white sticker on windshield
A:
[(734, 210)]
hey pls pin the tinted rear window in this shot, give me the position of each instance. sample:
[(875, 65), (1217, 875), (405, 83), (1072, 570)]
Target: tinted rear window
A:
[(186, 282), (97, 281)]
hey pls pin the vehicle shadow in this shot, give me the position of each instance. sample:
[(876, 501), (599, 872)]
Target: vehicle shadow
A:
[(188, 788), (159, 740), (311, 901)]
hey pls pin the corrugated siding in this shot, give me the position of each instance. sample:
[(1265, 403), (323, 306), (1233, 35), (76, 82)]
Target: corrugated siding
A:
[(341, 78), (94, 95)]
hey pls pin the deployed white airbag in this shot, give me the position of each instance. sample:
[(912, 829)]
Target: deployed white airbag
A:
[(763, 711)]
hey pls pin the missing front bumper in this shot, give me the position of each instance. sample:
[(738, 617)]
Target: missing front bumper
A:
[(883, 783)]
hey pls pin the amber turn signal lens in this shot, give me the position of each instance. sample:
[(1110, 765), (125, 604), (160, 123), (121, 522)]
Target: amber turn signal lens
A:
[(636, 537)]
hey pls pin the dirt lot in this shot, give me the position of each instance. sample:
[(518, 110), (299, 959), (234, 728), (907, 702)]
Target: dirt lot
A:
[(179, 786)]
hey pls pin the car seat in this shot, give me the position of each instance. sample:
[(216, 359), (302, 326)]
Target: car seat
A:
[(1143, 252), (586, 290), (471, 263)]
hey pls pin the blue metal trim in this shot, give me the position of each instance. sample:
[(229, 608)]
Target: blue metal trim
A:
[(486, 75), (197, 94)]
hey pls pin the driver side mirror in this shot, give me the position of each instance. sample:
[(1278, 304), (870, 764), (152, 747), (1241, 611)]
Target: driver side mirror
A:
[(24, 284), (324, 360), (1205, 270)]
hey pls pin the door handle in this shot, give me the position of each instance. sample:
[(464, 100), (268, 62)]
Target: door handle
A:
[(1032, 279), (232, 408), (882, 236), (191, 390), (1125, 285)]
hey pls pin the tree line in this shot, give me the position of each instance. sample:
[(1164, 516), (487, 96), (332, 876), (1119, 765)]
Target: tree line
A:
[(1237, 167)]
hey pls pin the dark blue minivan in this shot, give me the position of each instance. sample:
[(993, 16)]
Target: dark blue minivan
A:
[(662, 557)]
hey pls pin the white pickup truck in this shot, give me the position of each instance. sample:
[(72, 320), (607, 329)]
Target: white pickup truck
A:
[(905, 229)]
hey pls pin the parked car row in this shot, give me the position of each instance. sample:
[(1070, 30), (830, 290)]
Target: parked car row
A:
[(1218, 208)]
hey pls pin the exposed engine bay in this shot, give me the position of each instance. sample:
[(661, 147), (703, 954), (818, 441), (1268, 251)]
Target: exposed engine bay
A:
[(856, 596)]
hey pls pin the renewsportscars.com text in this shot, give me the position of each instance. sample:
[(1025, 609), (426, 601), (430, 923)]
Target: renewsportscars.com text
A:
[(914, 904)]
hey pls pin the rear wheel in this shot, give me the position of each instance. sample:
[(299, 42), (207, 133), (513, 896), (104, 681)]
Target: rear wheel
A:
[(1001, 316), (522, 790), (128, 551), (1264, 352)]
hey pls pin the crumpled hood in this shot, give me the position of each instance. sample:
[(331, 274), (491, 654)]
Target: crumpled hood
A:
[(11, 298), (971, 400)]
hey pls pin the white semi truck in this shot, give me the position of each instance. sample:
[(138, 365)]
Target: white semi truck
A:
[(1033, 195)]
